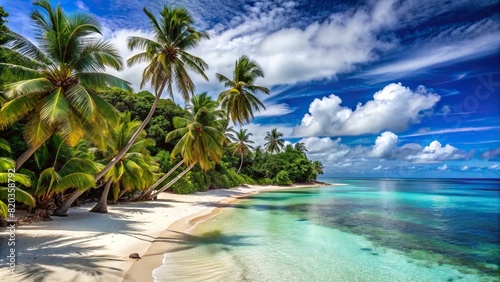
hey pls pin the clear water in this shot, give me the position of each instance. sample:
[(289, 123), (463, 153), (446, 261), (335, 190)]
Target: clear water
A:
[(364, 230)]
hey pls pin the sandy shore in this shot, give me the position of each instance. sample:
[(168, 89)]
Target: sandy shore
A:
[(95, 247)]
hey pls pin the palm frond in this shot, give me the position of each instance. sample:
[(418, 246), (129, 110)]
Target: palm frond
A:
[(55, 107), (15, 110), (99, 81), (33, 86), (79, 180)]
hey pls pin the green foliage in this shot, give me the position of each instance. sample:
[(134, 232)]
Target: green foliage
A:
[(184, 185), (138, 105), (238, 100), (265, 181), (282, 178), (53, 81)]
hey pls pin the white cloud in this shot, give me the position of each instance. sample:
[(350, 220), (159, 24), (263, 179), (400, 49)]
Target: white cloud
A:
[(451, 130), (325, 149), (452, 45), (385, 145), (81, 5), (435, 152), (335, 154), (464, 167), (443, 167), (274, 110), (378, 167), (328, 117), (494, 167)]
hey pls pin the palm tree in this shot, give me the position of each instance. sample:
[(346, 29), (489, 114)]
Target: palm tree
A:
[(317, 168), (239, 101), (242, 144), (300, 147), (201, 137), (167, 56), (56, 79), (275, 141), (136, 170)]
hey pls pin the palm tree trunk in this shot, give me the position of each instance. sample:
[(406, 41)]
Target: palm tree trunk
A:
[(26, 155), (241, 163), (172, 182), (146, 193), (63, 209), (125, 149), (102, 205)]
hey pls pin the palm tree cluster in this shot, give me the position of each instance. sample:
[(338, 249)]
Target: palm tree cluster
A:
[(56, 91)]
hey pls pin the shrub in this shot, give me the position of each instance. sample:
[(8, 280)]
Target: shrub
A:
[(184, 185), (282, 178), (265, 181)]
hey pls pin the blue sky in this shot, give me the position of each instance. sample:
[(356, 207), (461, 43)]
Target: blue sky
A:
[(373, 88)]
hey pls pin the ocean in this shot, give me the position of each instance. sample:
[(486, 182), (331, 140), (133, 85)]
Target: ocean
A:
[(354, 230)]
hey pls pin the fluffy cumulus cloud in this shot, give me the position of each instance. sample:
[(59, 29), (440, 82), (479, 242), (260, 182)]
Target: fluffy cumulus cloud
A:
[(328, 117), (435, 152), (386, 147)]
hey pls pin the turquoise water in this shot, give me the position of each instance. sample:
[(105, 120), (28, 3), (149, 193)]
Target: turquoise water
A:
[(362, 230)]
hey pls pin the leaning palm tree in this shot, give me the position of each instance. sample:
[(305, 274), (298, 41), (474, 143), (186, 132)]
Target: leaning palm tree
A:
[(135, 171), (201, 137), (56, 80), (168, 59), (275, 141), (239, 101), (197, 103), (242, 144)]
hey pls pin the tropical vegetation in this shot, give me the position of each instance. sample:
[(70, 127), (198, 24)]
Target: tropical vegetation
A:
[(80, 133)]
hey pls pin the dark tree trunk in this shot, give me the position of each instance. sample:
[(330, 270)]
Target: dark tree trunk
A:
[(102, 205)]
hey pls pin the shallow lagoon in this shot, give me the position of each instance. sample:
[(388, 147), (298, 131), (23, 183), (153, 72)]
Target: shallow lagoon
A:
[(363, 230)]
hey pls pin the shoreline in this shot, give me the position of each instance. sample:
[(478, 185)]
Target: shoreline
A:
[(90, 246), (178, 231)]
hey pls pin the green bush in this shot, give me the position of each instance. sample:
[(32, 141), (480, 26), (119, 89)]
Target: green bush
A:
[(265, 181), (184, 185), (282, 178)]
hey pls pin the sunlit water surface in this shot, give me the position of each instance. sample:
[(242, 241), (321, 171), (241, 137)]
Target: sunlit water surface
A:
[(364, 230)]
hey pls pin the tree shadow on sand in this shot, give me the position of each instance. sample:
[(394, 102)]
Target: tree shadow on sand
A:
[(39, 257), (185, 241)]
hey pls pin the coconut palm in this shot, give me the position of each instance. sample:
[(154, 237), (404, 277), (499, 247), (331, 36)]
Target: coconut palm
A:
[(56, 78), (275, 141), (168, 58), (135, 171), (239, 101), (301, 147), (201, 137), (317, 168), (242, 144), (197, 103)]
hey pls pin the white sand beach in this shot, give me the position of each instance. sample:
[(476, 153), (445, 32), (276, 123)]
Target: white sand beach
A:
[(95, 247)]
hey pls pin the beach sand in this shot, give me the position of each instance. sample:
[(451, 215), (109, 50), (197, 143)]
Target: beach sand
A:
[(95, 247)]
